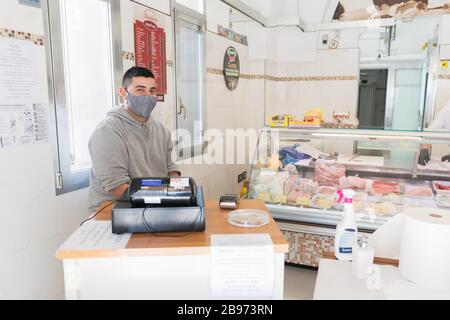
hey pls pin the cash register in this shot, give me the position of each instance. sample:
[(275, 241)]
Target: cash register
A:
[(152, 205)]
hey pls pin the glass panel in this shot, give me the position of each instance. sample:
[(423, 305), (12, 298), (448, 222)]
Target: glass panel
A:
[(196, 5), (88, 72), (189, 53), (407, 102)]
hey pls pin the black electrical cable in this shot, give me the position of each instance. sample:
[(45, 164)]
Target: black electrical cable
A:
[(96, 213)]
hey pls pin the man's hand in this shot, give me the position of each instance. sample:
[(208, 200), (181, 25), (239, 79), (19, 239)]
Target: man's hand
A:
[(117, 192), (174, 174)]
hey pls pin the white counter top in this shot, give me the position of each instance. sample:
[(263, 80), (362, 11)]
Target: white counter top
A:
[(335, 281)]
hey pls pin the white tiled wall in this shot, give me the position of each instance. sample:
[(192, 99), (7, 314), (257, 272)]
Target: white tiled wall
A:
[(297, 97), (242, 108)]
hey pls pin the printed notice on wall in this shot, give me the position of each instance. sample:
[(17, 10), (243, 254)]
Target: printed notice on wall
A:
[(23, 124), (95, 235), (242, 266), (23, 93), (22, 72)]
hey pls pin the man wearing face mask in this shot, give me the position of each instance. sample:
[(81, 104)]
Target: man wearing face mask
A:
[(129, 143)]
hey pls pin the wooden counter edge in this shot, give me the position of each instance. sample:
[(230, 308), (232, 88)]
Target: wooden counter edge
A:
[(376, 260), (145, 252)]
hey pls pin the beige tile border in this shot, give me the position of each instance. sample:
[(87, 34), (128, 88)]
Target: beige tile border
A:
[(444, 77), (313, 78), (286, 79), (128, 55), (20, 35)]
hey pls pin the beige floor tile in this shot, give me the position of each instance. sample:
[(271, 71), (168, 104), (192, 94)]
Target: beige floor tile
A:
[(299, 283)]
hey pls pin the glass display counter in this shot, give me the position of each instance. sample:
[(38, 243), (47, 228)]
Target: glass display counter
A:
[(297, 172)]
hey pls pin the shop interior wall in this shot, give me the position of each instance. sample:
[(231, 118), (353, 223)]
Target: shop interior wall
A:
[(443, 82), (242, 108), (35, 221)]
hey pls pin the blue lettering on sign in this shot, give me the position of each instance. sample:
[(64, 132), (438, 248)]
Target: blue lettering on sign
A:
[(345, 250)]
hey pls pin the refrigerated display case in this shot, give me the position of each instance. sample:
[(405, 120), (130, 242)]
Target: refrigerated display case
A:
[(298, 171)]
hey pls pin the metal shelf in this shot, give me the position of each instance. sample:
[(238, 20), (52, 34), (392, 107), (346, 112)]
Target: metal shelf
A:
[(325, 217), (362, 134), (365, 169)]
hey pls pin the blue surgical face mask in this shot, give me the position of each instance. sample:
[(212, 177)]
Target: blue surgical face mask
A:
[(141, 105)]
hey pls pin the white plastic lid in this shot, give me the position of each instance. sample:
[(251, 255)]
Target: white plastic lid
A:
[(248, 218)]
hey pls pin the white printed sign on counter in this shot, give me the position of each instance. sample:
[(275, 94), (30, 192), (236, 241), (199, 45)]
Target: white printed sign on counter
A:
[(242, 266), (95, 235)]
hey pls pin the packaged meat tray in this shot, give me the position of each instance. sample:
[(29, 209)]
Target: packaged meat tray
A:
[(299, 197), (418, 191), (328, 173), (300, 183), (324, 190), (355, 183), (382, 188), (323, 201), (442, 187)]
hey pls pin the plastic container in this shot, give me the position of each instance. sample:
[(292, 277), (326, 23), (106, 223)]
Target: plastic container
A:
[(381, 188), (326, 191), (303, 199), (362, 259), (296, 182), (355, 183), (323, 201), (248, 218), (443, 200), (299, 197), (438, 187), (417, 191), (328, 173), (382, 207)]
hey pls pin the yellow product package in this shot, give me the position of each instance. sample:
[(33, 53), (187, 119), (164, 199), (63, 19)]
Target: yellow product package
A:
[(280, 120)]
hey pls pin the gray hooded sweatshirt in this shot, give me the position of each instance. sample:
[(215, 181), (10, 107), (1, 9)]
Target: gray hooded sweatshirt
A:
[(121, 148)]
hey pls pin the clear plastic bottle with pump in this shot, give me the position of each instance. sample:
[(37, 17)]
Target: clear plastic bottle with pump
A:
[(362, 258), (346, 230)]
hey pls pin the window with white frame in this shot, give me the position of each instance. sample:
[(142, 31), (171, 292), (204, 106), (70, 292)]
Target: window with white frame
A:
[(81, 77), (190, 80)]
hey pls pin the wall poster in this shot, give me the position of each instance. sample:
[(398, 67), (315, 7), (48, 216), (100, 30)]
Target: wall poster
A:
[(150, 46)]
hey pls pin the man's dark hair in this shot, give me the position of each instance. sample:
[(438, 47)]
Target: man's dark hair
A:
[(135, 72)]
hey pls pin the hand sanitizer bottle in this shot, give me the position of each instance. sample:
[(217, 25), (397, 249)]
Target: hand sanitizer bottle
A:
[(346, 230), (362, 258)]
